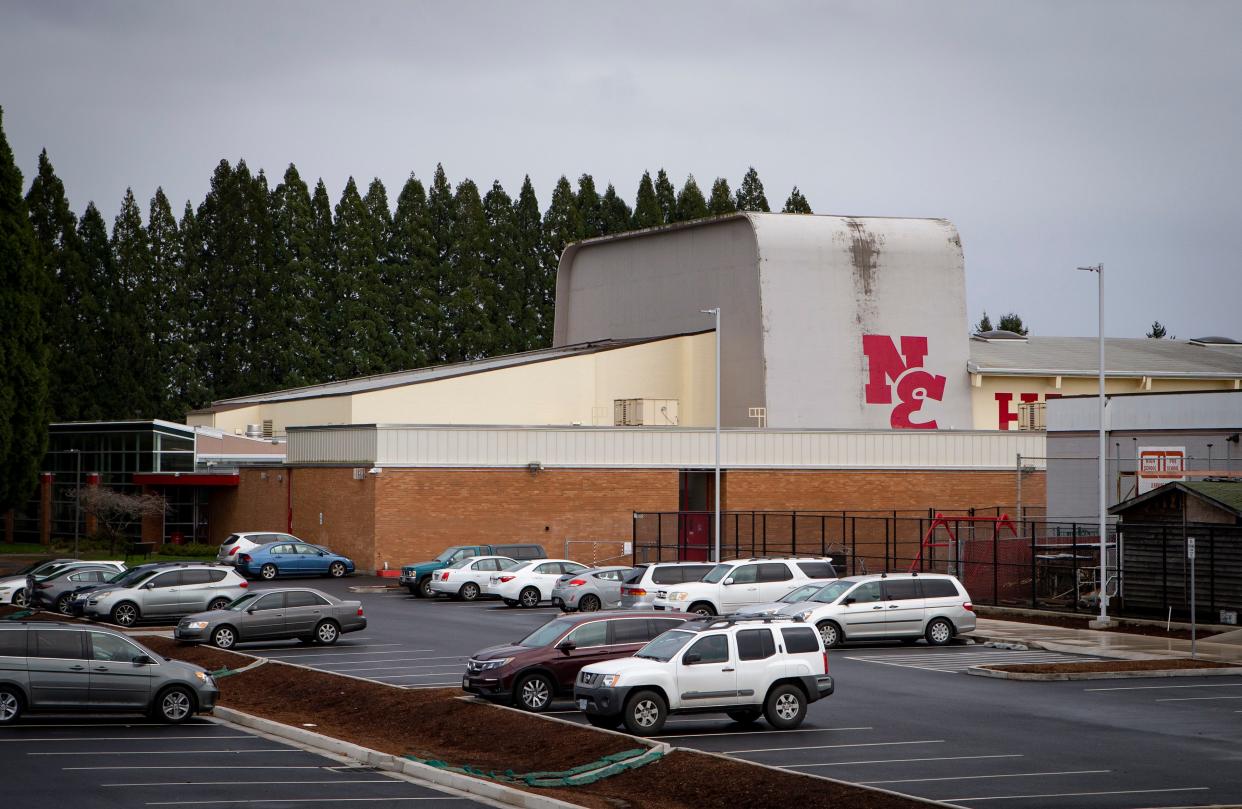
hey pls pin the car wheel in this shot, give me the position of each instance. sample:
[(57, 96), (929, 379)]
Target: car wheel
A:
[(703, 608), (224, 637), (336, 570), (589, 603), (125, 614), (830, 633), (645, 712), (605, 722), (19, 598), (267, 572), (745, 716), (533, 693), (469, 591), (509, 602), (424, 588), (11, 705), (785, 707), (327, 632), (174, 705), (939, 632), (62, 603), (529, 597), (217, 604)]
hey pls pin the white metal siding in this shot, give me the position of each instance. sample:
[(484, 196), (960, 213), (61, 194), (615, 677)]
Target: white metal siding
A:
[(346, 445)]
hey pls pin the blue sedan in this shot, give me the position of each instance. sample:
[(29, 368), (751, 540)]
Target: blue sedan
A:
[(292, 559)]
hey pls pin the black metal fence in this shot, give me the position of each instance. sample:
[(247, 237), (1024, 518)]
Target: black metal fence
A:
[(1032, 563)]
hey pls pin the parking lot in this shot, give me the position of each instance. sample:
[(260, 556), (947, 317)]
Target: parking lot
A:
[(117, 763)]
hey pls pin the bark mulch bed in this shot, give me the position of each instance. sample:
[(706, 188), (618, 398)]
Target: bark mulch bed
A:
[(41, 615), (434, 724), (1111, 665), (1081, 621)]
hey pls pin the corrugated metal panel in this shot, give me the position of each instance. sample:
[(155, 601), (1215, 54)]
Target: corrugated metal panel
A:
[(621, 447), (1163, 411)]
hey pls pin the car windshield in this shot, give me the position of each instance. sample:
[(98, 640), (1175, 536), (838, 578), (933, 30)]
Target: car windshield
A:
[(801, 594), (665, 646), (34, 566), (519, 566), (241, 603), (447, 555), (832, 592), (143, 575), (547, 633), (125, 575), (717, 573)]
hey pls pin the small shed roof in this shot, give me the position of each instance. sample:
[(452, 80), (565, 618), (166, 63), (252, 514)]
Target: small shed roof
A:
[(1225, 495)]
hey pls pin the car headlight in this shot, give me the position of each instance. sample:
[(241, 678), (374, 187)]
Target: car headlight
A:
[(197, 625), (494, 664), (101, 594), (610, 680), (805, 614), (680, 595), (203, 677)]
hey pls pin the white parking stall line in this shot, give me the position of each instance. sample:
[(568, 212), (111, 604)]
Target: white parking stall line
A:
[(202, 723), (394, 660), (1192, 699), (181, 767), (346, 654), (340, 781), (957, 662), (305, 800), (899, 760), (394, 668), (407, 676), (731, 734), (124, 738), (1074, 794), (169, 752), (1163, 687), (832, 746), (432, 685), (976, 777)]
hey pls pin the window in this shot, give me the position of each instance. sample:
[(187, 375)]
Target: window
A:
[(658, 626), (817, 570), (263, 539), (592, 634), (746, 574), (755, 644), (217, 575), (549, 567), (866, 593), (306, 550), (609, 575), (57, 643), (283, 549), (87, 576), (486, 564), (692, 572), (113, 648), (902, 589), (303, 598), (573, 567), (13, 643), (939, 588), (169, 579), (271, 601), (711, 649), (774, 571), (636, 575), (800, 639), (631, 630), (196, 576)]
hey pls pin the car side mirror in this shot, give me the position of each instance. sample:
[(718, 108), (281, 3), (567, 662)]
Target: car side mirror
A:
[(144, 660), (728, 581), (848, 601), (321, 553), (148, 586), (566, 646), (690, 658), (251, 611)]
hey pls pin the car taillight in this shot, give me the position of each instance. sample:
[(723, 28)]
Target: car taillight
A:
[(243, 583), (233, 550), (825, 662), (633, 591), (360, 612), (577, 582), (968, 606), (507, 578), (444, 576), (244, 558)]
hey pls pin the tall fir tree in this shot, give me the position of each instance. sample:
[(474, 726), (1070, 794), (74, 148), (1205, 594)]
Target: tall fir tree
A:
[(440, 212), (168, 312), (617, 213), (357, 330), (472, 302), (750, 196), (666, 196), (536, 287), (690, 202), (647, 213), (69, 309), (590, 208), (323, 261), (500, 260), (288, 346), (721, 201), (412, 256), (796, 203), (379, 292), (104, 401), (189, 379), (134, 370), (24, 407)]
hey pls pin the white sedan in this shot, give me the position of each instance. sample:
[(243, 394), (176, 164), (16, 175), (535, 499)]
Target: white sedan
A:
[(528, 583), (467, 577)]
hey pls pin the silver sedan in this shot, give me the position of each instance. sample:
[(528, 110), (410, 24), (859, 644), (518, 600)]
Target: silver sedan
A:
[(302, 613), (598, 588)]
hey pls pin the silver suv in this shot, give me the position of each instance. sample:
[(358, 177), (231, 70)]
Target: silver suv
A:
[(165, 593), (66, 667)]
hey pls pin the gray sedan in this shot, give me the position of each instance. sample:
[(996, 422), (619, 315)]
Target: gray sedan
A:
[(302, 613), (590, 590)]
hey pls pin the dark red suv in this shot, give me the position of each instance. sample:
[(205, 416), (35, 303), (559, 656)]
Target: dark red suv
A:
[(543, 665)]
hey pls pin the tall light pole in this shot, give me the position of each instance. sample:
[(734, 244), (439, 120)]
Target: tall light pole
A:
[(716, 488), (1103, 619), (77, 498)]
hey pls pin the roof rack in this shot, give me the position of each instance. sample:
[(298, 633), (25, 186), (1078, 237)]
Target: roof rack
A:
[(771, 558), (732, 619)]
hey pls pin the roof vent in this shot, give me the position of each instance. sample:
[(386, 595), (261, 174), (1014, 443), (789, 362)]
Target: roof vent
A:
[(1216, 342), (1000, 334)]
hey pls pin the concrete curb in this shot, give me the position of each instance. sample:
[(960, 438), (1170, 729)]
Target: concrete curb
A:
[(981, 671), (385, 761), (1068, 648)]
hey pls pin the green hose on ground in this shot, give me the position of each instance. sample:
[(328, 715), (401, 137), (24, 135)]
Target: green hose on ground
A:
[(581, 775)]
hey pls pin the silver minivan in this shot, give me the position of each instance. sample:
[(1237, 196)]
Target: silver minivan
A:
[(646, 582), (167, 593), (67, 667)]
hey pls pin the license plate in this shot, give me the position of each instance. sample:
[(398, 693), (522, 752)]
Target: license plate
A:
[(582, 704), (464, 682)]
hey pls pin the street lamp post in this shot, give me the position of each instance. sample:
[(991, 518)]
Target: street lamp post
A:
[(77, 497), (1102, 621), (716, 487)]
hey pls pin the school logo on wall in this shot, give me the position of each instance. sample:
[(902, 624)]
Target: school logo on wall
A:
[(898, 375)]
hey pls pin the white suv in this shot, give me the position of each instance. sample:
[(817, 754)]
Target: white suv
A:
[(905, 606), (730, 586), (769, 666)]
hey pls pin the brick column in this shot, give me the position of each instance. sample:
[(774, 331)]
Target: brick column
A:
[(153, 525), (92, 481), (45, 507)]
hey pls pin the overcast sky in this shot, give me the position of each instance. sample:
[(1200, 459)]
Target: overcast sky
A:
[(1052, 134)]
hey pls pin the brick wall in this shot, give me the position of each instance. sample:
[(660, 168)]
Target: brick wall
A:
[(259, 503), (332, 509)]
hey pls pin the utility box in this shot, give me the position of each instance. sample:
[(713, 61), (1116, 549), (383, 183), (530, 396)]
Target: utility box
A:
[(644, 413)]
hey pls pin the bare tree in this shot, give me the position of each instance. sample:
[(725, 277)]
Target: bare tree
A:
[(115, 510)]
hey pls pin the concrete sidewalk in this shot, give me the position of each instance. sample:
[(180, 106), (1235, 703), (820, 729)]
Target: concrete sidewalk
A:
[(1224, 648)]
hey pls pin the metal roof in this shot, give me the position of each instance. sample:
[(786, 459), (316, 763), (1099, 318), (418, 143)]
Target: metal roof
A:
[(1124, 356), (346, 387), (1226, 495)]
